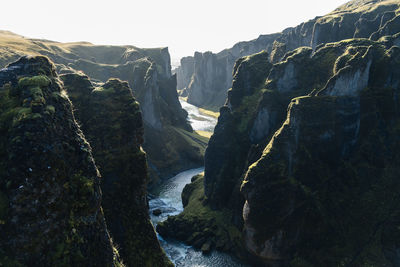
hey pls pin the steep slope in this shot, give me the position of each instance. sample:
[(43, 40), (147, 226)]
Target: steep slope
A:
[(112, 122), (148, 72), (49, 185), (326, 142), (206, 77), (256, 109), (326, 190)]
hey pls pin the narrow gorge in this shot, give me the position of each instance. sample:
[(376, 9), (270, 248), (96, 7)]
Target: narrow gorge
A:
[(280, 151)]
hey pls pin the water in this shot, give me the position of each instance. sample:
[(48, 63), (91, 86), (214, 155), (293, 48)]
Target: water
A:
[(198, 121), (167, 198)]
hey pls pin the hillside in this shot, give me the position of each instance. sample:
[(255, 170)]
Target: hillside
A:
[(301, 169), (148, 72), (50, 192), (205, 77)]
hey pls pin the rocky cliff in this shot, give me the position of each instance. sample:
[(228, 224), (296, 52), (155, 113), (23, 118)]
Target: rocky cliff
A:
[(49, 185), (111, 119), (148, 72), (325, 190), (313, 184), (206, 77)]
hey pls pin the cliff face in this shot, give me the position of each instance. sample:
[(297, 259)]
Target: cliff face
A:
[(111, 119), (148, 72), (256, 108), (49, 184), (211, 76), (206, 77), (325, 190), (314, 184)]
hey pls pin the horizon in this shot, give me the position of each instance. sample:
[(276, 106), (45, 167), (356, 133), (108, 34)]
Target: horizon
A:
[(173, 24)]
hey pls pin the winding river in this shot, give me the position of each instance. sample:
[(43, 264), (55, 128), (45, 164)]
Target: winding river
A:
[(167, 198)]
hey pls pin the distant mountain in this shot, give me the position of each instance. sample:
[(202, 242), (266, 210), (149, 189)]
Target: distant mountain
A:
[(205, 77), (170, 142), (302, 168)]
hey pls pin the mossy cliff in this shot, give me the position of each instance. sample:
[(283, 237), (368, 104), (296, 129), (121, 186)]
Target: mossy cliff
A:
[(325, 192), (205, 77), (200, 226), (163, 117), (255, 109), (111, 119), (321, 190), (49, 185), (148, 72)]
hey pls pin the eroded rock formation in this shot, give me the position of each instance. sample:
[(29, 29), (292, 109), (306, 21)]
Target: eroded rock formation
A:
[(111, 119), (206, 77), (303, 156), (49, 184), (170, 143)]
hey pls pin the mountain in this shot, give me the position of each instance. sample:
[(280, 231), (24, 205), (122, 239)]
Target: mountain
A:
[(49, 184), (112, 122), (206, 77), (170, 143), (301, 169)]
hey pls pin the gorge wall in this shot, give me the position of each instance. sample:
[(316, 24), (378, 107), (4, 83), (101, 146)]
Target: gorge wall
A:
[(53, 211), (49, 184), (170, 143), (111, 119), (206, 77), (301, 166)]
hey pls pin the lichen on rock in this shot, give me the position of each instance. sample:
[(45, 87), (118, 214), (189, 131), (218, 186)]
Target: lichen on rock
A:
[(112, 121), (50, 186)]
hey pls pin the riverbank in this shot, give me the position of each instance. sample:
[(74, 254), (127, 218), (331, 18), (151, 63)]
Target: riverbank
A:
[(166, 201)]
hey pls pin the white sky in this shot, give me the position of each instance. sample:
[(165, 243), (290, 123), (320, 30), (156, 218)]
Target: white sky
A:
[(184, 26)]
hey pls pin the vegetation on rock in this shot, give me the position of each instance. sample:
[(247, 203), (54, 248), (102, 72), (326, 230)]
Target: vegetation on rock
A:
[(313, 184), (148, 72), (49, 185), (205, 77), (111, 119)]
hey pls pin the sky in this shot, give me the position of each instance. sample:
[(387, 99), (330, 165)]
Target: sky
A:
[(184, 26)]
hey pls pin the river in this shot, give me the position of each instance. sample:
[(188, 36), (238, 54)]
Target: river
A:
[(167, 198)]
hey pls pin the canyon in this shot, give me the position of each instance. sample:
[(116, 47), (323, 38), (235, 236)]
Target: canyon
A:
[(99, 147)]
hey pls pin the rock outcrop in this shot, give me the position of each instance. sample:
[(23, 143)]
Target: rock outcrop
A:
[(314, 184), (206, 77), (148, 72), (329, 170), (49, 185), (111, 119)]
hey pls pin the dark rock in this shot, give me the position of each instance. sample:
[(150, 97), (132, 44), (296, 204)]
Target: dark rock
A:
[(314, 167), (170, 144), (320, 167), (157, 212), (206, 247), (207, 76), (50, 213), (111, 119)]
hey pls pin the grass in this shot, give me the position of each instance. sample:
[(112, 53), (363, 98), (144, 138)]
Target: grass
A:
[(196, 211), (195, 139), (204, 134), (13, 46), (209, 112)]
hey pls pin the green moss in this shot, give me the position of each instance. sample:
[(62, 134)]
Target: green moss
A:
[(102, 90), (40, 80), (206, 224), (247, 110), (193, 138), (111, 121), (50, 109)]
